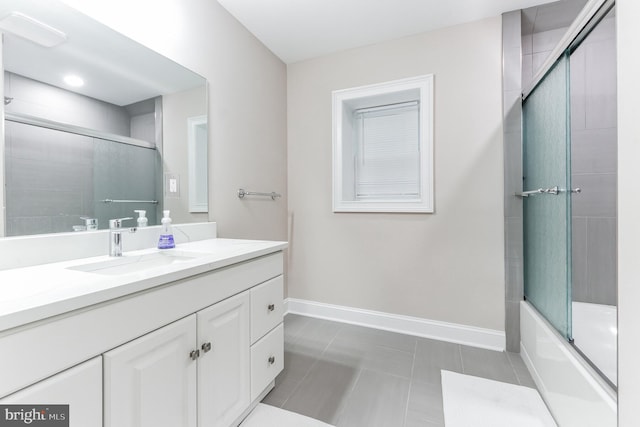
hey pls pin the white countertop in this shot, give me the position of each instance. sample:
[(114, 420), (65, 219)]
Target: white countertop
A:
[(34, 293)]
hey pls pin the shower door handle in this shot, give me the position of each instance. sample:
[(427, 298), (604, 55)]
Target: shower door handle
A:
[(552, 190), (530, 192)]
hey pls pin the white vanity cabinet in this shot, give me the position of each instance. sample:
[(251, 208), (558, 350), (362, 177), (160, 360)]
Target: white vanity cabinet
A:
[(79, 387), (189, 352), (152, 381)]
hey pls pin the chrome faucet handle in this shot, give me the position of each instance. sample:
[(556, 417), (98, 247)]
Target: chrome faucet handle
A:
[(90, 223), (117, 223)]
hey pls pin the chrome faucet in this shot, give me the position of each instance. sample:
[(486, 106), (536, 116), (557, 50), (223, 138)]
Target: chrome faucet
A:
[(115, 235)]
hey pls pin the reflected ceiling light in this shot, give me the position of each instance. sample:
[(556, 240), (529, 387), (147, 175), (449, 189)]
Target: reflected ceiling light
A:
[(73, 80), (31, 29)]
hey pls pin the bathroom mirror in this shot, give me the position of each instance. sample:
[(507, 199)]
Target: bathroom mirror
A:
[(96, 125)]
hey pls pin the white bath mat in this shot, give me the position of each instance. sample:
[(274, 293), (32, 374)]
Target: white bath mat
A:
[(477, 402), (270, 416)]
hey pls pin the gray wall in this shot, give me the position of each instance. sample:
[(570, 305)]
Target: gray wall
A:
[(445, 266)]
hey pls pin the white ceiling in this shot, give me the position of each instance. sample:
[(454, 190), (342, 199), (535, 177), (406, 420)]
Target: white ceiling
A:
[(301, 29)]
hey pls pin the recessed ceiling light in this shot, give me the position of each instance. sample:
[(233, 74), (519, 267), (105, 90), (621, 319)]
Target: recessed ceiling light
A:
[(31, 29), (73, 80)]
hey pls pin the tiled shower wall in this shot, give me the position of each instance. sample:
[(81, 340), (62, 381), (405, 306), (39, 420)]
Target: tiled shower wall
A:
[(512, 137), (594, 166), (535, 50)]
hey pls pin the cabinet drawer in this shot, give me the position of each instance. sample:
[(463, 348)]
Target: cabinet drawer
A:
[(267, 360), (266, 307)]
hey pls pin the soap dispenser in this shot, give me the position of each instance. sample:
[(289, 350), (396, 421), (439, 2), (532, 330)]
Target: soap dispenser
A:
[(142, 218), (166, 235)]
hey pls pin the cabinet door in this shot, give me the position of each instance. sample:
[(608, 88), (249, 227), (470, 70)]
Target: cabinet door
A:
[(223, 371), (151, 381), (79, 387)]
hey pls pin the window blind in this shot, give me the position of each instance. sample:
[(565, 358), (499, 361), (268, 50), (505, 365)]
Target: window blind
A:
[(387, 154)]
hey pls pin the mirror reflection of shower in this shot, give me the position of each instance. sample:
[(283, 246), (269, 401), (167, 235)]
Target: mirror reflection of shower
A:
[(66, 154)]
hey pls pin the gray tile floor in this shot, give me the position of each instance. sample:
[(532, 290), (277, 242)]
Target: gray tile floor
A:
[(351, 376)]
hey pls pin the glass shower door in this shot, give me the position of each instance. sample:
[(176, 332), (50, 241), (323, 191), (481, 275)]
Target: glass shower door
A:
[(547, 198)]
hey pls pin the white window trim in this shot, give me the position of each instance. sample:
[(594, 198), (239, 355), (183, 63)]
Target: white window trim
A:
[(198, 177), (423, 204)]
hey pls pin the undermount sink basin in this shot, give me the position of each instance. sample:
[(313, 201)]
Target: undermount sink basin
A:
[(127, 264)]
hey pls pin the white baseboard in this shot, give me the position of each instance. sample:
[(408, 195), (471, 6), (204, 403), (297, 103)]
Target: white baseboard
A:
[(460, 334)]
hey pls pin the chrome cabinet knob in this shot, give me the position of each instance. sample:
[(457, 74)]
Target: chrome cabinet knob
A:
[(271, 307), (272, 360), (206, 347), (194, 354)]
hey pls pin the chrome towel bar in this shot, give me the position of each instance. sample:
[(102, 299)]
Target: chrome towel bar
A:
[(155, 202), (242, 193)]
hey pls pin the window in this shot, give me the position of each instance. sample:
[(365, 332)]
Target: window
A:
[(382, 147)]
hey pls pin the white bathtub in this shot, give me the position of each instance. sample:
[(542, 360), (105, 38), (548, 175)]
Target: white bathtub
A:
[(595, 333), (575, 393)]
